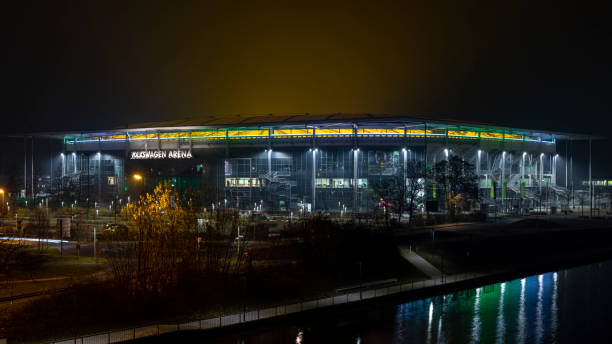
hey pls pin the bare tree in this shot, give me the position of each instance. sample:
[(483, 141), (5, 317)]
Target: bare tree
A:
[(416, 175), (165, 244), (459, 179), (41, 222), (10, 247), (391, 191)]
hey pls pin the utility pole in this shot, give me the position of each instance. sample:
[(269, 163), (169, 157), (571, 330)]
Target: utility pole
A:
[(360, 282), (61, 236), (25, 166), (32, 159), (314, 180), (355, 175), (238, 226), (94, 243), (590, 181), (572, 174), (566, 159)]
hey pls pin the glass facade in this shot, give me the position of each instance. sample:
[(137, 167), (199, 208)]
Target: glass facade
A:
[(322, 167)]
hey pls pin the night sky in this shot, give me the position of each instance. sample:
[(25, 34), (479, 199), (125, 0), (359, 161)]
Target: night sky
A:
[(89, 65)]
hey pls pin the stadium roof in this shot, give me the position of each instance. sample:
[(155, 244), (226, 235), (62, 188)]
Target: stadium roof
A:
[(305, 120)]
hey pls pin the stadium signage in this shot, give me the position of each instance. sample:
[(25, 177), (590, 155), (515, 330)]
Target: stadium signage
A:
[(161, 154)]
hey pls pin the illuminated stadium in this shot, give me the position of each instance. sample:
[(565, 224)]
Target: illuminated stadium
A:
[(310, 162)]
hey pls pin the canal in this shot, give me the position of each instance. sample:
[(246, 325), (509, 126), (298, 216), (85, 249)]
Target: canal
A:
[(566, 306)]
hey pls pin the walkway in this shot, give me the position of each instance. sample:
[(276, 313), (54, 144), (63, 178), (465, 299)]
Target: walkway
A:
[(260, 314), (419, 262)]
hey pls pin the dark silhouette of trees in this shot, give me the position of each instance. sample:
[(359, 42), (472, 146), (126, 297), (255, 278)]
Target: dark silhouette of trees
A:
[(459, 179), (401, 192), (416, 175), (390, 192)]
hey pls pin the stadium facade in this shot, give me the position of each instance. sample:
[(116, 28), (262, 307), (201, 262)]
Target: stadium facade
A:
[(308, 162)]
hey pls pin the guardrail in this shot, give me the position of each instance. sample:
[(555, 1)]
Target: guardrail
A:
[(225, 320)]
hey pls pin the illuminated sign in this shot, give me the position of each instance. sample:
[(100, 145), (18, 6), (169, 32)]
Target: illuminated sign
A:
[(161, 154)]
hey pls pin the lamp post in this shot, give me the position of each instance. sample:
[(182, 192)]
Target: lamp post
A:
[(2, 193), (139, 179)]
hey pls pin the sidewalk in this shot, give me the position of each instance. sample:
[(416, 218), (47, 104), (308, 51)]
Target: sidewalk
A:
[(419, 262), (265, 313)]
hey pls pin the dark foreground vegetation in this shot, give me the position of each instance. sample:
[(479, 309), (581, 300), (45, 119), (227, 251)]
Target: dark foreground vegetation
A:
[(170, 266), (175, 274)]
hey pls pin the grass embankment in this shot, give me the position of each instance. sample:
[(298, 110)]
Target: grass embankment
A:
[(514, 247), (37, 270), (53, 264), (329, 257)]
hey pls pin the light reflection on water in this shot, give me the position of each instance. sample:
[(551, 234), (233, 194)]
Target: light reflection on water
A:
[(476, 317), (554, 309), (491, 310), (525, 310), (501, 328), (521, 319), (568, 306)]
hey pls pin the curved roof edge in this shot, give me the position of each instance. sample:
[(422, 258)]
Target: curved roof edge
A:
[(306, 119)]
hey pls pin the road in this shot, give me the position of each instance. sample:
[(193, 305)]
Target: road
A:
[(67, 247)]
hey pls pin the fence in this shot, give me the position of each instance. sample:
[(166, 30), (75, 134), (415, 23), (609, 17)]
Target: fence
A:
[(259, 314)]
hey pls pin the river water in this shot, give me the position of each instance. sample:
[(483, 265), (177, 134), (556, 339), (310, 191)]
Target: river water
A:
[(566, 306)]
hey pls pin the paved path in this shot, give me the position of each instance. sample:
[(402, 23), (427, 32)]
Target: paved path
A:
[(222, 320), (38, 280), (419, 262)]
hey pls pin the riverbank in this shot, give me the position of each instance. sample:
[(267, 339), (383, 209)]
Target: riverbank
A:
[(493, 256), (562, 306), (349, 309)]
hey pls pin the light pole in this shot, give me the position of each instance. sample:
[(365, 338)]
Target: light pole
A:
[(7, 207), (139, 179)]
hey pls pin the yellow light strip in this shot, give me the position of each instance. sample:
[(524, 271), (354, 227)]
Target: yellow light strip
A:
[(246, 134)]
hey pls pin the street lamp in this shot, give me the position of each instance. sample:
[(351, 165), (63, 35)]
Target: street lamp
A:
[(139, 179), (2, 193)]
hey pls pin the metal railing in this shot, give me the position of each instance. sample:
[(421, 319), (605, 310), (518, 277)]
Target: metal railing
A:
[(224, 320)]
